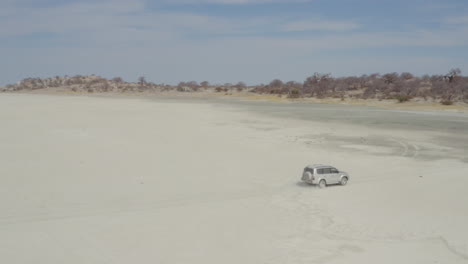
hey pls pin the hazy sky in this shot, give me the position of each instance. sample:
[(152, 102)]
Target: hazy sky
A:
[(255, 41)]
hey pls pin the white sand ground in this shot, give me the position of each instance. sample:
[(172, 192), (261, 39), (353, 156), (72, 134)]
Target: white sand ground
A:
[(114, 180)]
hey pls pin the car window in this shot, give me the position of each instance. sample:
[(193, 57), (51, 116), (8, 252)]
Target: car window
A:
[(333, 170), (320, 171), (327, 170)]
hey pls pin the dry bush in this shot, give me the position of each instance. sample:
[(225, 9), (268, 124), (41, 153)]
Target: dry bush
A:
[(240, 86), (406, 76), (276, 83), (205, 84), (446, 102), (390, 77), (403, 98), (295, 93), (141, 80), (117, 80)]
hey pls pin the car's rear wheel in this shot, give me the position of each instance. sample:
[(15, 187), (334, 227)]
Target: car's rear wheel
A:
[(322, 184), (344, 180)]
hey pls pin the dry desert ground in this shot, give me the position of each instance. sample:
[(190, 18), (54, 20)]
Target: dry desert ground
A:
[(171, 180)]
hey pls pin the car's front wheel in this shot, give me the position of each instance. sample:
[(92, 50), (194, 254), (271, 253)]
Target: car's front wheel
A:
[(344, 180), (322, 184)]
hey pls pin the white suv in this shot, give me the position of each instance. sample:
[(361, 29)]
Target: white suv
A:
[(323, 175)]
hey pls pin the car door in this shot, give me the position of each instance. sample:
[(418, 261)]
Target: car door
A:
[(334, 175), (327, 175)]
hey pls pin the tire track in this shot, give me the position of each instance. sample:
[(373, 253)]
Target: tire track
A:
[(57, 214)]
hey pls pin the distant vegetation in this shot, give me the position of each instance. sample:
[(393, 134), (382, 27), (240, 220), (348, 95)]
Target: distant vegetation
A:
[(447, 89)]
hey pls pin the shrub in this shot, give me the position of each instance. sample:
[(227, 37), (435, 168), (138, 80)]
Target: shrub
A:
[(295, 93), (446, 102), (403, 98)]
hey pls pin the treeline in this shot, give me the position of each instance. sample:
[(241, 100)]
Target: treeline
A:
[(81, 83), (446, 88)]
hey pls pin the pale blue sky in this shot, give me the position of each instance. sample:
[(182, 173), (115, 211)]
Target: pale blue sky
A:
[(255, 41)]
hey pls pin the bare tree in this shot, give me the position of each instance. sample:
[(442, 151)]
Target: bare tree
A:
[(390, 77), (205, 84), (453, 74), (318, 84), (406, 76), (141, 80), (119, 79), (240, 85), (192, 84), (276, 83)]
